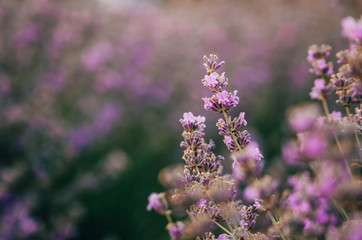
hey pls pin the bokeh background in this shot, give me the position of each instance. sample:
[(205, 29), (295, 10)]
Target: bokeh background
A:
[(91, 93)]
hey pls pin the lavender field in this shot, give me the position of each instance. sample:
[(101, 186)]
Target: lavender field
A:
[(165, 119)]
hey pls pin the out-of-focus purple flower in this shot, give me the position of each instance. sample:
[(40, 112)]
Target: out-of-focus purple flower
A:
[(298, 204), (307, 224), (106, 118), (257, 204), (110, 80), (223, 237), (251, 193), (319, 89), (253, 151), (191, 123), (26, 35), (313, 144), (290, 154), (336, 116), (97, 55), (352, 29), (154, 202), (354, 231), (175, 230), (318, 52), (301, 118), (201, 203), (81, 137)]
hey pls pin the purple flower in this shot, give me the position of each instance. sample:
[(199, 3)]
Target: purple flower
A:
[(290, 154), (97, 56), (257, 204), (222, 126), (154, 202), (191, 123), (26, 35), (302, 117), (318, 89), (201, 203), (242, 120), (221, 101), (251, 193), (352, 28), (228, 140), (307, 224), (336, 116), (318, 52), (313, 145), (223, 237), (215, 82), (175, 230), (211, 63)]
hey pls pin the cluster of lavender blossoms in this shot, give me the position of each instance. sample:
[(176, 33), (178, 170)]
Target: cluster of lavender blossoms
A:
[(320, 200), (323, 202), (208, 196)]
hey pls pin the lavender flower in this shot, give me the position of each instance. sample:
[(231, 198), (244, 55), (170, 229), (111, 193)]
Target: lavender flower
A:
[(352, 29), (215, 82), (191, 123), (175, 230), (158, 202), (221, 101)]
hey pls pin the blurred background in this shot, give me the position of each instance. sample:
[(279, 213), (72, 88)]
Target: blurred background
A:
[(91, 93)]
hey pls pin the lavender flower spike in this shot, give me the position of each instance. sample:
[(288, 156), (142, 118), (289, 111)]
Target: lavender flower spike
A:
[(211, 63), (191, 123)]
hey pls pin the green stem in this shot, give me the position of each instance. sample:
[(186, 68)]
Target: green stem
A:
[(229, 226), (274, 223), (340, 209), (222, 227), (168, 216)]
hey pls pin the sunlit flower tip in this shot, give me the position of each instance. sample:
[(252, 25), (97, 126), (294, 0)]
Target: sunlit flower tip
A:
[(157, 201), (352, 28), (211, 63), (175, 230), (223, 237), (191, 123)]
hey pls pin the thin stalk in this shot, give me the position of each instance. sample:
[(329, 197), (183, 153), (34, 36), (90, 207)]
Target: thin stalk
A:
[(229, 226), (355, 134), (274, 223), (326, 110), (168, 216), (340, 209), (232, 135), (222, 227)]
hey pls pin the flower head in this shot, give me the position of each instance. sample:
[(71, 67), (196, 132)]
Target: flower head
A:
[(191, 123)]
